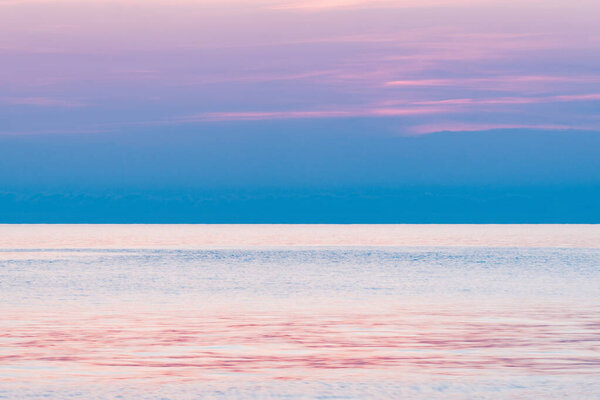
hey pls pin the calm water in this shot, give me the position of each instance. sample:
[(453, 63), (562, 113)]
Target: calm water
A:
[(300, 312)]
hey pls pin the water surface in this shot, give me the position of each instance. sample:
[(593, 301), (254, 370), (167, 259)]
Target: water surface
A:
[(299, 311)]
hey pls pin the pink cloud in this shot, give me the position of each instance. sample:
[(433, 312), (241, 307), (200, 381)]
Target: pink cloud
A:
[(263, 77), (258, 115), (272, 115), (522, 79), (422, 82), (57, 131), (578, 97), (472, 127), (498, 100), (514, 100), (313, 5), (40, 101), (318, 5)]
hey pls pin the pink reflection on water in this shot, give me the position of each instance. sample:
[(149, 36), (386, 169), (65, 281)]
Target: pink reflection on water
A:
[(310, 344)]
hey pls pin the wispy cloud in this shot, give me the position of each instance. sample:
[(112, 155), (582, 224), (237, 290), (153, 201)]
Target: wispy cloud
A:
[(475, 127), (508, 100), (422, 82), (317, 5), (312, 114), (71, 131), (519, 79), (40, 102), (313, 5), (261, 77)]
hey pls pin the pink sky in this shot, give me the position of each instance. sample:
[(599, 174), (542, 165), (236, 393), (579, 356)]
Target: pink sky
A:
[(104, 63)]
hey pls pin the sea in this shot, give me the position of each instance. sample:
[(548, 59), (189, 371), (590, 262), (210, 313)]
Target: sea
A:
[(300, 312)]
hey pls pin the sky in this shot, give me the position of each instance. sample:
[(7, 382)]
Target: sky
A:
[(474, 111)]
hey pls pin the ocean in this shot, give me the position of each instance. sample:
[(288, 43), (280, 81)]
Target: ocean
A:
[(300, 311)]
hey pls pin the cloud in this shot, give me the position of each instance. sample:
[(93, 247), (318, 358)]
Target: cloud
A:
[(40, 102), (72, 131), (312, 114), (318, 5), (324, 5), (422, 82), (578, 97), (473, 127), (261, 77), (510, 100), (519, 79)]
